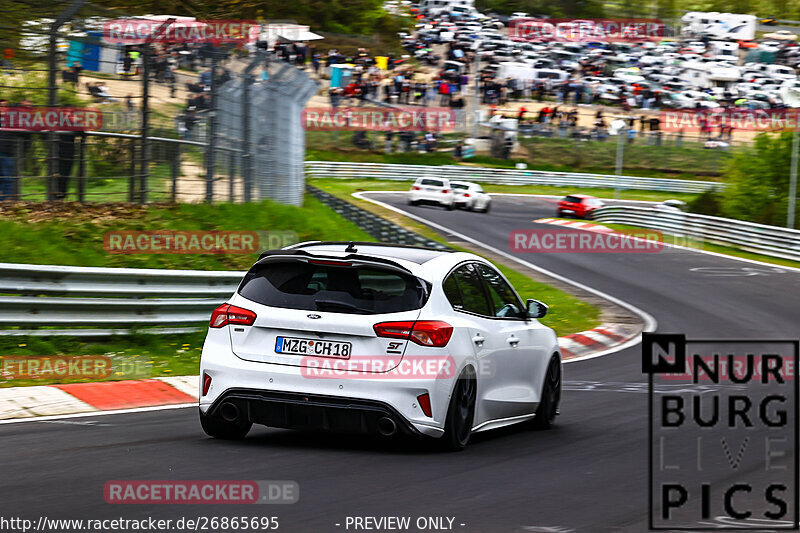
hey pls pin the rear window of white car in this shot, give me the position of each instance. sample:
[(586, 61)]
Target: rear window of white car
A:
[(338, 289), (459, 186), (433, 183)]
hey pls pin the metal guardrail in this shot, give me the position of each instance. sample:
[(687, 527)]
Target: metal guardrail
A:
[(502, 176), (49, 295), (757, 238)]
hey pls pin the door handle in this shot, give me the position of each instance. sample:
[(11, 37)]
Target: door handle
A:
[(513, 341), (478, 339)]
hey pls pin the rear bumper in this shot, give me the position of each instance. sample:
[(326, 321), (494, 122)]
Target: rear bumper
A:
[(286, 396), (293, 410)]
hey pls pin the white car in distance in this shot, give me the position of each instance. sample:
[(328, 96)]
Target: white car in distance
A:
[(432, 191), (470, 196)]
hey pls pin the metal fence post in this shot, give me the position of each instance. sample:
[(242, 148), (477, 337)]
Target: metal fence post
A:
[(176, 165), (246, 144), (132, 178), (19, 167), (231, 174), (82, 168), (211, 159), (145, 122)]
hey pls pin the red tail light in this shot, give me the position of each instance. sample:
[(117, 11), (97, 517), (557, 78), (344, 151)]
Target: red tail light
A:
[(445, 191), (414, 188), (423, 332), (227, 314), (425, 404), (207, 384), (466, 195)]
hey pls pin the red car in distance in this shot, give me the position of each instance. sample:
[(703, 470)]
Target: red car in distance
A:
[(578, 205)]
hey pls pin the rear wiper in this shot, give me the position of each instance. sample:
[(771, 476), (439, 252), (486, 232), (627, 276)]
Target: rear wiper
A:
[(321, 304)]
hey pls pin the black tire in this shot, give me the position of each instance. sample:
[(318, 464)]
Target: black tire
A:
[(450, 207), (219, 428), (412, 202), (460, 413), (559, 214), (487, 208), (551, 396)]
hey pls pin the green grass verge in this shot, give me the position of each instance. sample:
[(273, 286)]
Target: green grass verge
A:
[(134, 356), (72, 234)]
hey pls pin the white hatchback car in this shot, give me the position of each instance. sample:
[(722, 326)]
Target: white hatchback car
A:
[(435, 191), (375, 338), (471, 196)]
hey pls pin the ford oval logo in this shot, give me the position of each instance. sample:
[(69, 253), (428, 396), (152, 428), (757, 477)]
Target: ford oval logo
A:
[(314, 316)]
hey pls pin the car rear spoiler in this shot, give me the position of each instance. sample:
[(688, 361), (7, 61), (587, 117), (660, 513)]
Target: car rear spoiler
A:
[(270, 255)]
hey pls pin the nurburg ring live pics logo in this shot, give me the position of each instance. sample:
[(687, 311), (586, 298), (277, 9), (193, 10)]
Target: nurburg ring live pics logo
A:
[(723, 427)]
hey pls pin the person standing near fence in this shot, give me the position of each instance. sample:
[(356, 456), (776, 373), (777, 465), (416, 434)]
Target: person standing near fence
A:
[(66, 160), (6, 157)]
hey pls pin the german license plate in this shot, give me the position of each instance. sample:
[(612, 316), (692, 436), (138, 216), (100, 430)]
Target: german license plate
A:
[(314, 347)]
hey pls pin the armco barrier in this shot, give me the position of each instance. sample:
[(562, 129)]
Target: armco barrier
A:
[(501, 176), (49, 295), (758, 238)]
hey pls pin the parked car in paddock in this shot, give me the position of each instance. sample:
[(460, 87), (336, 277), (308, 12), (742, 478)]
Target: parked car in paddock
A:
[(578, 205), (432, 191), (423, 342), (470, 196)]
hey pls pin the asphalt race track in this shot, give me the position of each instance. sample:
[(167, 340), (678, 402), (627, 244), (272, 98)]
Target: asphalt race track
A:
[(588, 474)]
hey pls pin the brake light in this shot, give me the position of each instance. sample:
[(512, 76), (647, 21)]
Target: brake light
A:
[(425, 404), (423, 332), (414, 188), (227, 314), (207, 384), (466, 195), (445, 191)]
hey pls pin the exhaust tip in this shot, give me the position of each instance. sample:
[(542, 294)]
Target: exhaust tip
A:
[(228, 411), (386, 426)]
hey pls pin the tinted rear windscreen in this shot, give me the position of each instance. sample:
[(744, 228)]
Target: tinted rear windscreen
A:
[(315, 287), (573, 199)]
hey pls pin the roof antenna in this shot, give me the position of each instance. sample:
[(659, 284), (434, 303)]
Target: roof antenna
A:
[(351, 247)]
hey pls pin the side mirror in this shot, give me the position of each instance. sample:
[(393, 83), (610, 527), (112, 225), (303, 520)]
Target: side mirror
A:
[(536, 309)]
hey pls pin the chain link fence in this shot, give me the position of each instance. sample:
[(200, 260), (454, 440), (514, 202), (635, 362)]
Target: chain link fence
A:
[(165, 127)]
